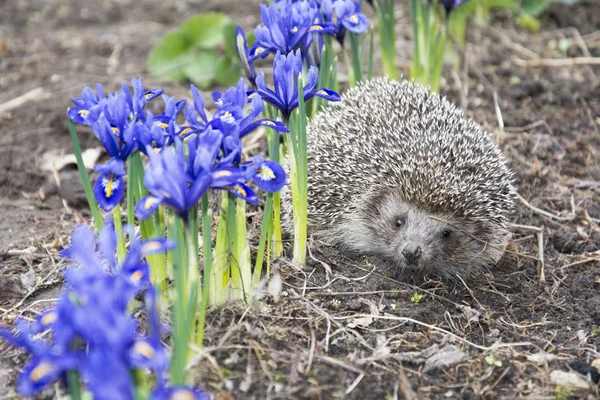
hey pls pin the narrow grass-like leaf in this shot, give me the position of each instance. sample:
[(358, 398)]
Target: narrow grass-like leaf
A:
[(207, 260), (119, 233), (74, 384), (85, 179), (356, 58)]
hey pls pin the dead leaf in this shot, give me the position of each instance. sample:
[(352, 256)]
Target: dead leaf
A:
[(570, 380), (541, 358), (56, 160)]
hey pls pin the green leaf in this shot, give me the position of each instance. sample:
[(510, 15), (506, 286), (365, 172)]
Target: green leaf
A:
[(202, 68), (229, 71), (169, 56), (207, 30), (526, 21), (503, 4), (229, 38), (536, 7), (194, 50)]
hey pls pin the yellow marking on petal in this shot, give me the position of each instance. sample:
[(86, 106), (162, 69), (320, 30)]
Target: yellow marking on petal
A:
[(321, 91), (41, 371), (109, 186), (49, 318), (83, 113), (259, 50), (270, 123), (252, 95), (315, 28), (156, 150), (151, 246), (148, 95), (267, 172), (220, 174), (137, 276), (144, 349), (162, 124), (237, 189), (227, 114), (182, 394), (295, 29), (115, 130), (183, 132), (354, 19)]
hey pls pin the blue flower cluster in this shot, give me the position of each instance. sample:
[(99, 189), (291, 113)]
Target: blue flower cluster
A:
[(211, 157), (121, 124), (297, 24), (214, 156), (285, 76), (91, 329)]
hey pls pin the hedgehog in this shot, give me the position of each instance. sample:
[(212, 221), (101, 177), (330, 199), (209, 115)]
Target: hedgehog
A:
[(398, 172)]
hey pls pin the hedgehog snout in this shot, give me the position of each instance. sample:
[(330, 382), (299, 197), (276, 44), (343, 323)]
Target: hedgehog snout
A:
[(412, 254)]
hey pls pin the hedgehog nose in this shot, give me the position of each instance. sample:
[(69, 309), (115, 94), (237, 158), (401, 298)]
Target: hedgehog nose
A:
[(412, 255)]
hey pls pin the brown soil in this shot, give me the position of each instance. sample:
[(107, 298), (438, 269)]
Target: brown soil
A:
[(354, 332)]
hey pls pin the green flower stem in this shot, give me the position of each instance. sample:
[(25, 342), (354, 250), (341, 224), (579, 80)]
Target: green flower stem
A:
[(271, 226), (439, 49), (140, 383), (119, 233), (207, 259), (159, 261), (192, 274), (326, 60), (219, 277), (130, 193), (180, 333), (262, 241), (241, 266), (385, 23), (356, 59), (371, 51), (299, 175), (232, 245), (430, 31), (351, 79), (74, 384), (276, 237), (85, 179)]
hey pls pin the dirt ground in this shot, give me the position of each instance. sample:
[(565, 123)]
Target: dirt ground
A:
[(341, 328)]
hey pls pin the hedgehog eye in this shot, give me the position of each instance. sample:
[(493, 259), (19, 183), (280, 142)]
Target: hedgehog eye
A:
[(446, 233), (400, 221)]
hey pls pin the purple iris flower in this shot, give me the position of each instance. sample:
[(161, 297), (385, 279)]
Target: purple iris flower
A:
[(91, 330), (242, 48), (285, 77), (110, 122), (285, 25), (344, 15), (236, 105), (84, 103), (450, 5), (168, 183), (179, 392), (168, 119), (89, 100), (109, 187)]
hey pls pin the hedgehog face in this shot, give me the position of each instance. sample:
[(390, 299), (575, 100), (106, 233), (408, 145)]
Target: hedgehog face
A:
[(417, 242)]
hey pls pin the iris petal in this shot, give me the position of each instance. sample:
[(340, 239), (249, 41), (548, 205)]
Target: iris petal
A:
[(243, 192), (270, 176), (108, 190), (146, 206)]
